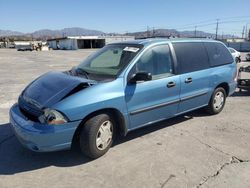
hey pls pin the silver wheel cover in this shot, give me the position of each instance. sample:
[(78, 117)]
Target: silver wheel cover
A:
[(104, 135), (219, 100)]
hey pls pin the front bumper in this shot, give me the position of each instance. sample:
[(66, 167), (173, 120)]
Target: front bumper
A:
[(40, 137), (244, 87)]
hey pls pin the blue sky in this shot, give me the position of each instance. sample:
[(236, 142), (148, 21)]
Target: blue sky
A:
[(122, 16)]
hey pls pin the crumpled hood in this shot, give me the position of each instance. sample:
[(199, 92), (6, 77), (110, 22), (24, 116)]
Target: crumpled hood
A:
[(52, 87)]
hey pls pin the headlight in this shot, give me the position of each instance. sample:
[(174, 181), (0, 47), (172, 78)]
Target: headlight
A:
[(243, 83), (52, 117)]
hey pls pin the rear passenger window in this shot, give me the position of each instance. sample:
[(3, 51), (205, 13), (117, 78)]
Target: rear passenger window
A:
[(218, 54), (191, 56)]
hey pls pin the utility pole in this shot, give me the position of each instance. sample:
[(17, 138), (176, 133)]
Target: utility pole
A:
[(243, 31), (246, 33), (195, 31), (248, 38), (217, 27), (153, 32), (148, 32)]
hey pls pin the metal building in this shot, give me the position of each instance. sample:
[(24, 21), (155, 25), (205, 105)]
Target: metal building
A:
[(82, 42)]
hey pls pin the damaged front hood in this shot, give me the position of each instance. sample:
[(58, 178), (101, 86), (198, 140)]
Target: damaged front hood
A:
[(52, 87)]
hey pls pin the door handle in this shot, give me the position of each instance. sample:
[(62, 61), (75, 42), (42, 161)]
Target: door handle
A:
[(171, 84), (188, 80)]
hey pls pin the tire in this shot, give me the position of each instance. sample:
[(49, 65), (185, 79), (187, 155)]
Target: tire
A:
[(217, 101), (97, 135)]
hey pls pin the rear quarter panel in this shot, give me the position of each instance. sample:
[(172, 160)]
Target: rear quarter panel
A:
[(223, 74)]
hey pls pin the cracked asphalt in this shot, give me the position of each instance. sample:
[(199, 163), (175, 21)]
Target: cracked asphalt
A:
[(193, 150)]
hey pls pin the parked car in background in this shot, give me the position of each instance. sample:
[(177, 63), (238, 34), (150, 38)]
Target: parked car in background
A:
[(24, 48), (244, 78), (248, 56), (120, 88), (235, 54)]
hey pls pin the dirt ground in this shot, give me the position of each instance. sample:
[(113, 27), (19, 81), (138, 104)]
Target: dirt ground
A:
[(192, 150)]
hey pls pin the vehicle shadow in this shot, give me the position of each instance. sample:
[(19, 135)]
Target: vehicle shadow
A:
[(16, 159), (243, 93)]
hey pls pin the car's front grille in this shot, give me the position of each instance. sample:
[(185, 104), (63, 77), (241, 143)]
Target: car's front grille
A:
[(28, 115), (29, 110), (244, 82)]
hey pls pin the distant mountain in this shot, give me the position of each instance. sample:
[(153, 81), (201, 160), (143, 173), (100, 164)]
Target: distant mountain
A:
[(77, 31), (9, 33), (73, 31), (175, 33), (47, 33)]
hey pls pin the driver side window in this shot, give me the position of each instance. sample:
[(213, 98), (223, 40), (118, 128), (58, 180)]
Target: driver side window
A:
[(157, 61)]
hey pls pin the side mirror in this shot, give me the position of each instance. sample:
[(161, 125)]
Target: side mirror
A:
[(140, 76)]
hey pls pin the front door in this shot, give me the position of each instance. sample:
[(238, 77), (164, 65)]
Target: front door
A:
[(157, 99)]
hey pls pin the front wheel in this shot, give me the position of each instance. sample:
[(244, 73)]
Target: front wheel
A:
[(217, 101), (97, 135)]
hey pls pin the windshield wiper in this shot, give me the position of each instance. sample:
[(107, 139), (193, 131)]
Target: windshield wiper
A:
[(83, 72)]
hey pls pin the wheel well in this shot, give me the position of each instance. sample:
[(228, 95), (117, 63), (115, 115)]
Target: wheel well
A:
[(225, 86), (116, 114)]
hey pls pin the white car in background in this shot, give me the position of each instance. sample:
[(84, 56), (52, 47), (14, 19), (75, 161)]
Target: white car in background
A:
[(235, 54), (248, 57)]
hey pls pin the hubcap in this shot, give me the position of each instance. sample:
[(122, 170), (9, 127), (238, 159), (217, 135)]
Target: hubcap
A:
[(104, 135), (218, 100)]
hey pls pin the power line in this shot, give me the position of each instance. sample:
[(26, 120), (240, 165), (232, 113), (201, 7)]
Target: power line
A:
[(192, 26), (214, 23), (196, 23), (201, 24), (236, 21), (209, 22), (235, 17)]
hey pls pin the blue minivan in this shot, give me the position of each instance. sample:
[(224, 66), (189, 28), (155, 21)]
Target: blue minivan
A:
[(120, 88)]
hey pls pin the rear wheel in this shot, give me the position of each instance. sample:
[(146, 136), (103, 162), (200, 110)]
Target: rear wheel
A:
[(217, 101), (97, 135)]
